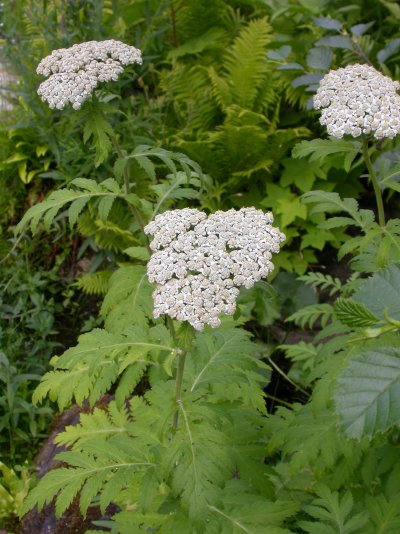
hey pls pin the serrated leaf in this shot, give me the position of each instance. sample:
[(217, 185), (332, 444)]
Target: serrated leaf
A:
[(353, 313), (381, 292), (319, 149), (367, 395), (128, 299), (96, 126)]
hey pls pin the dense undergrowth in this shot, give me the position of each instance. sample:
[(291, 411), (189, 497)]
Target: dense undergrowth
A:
[(288, 412)]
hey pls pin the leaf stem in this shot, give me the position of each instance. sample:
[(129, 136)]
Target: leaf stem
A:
[(374, 181), (178, 384)]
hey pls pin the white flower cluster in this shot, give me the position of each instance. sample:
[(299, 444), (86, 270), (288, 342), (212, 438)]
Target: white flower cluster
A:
[(199, 262), (75, 72), (359, 100)]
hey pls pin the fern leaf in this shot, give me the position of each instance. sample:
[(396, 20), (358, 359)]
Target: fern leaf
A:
[(309, 315), (322, 281), (94, 283), (245, 64)]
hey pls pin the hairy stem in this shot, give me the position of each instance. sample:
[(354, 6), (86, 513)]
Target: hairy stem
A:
[(374, 181)]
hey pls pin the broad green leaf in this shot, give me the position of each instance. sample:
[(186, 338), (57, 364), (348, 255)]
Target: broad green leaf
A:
[(367, 395), (336, 41), (381, 292), (327, 23), (319, 58)]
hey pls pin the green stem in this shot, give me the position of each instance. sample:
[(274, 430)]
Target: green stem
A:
[(178, 384), (127, 185), (374, 181)]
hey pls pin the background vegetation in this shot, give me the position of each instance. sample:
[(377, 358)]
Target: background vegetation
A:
[(218, 116)]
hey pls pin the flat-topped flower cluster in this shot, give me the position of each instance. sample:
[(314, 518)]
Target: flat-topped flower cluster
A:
[(359, 100), (75, 72), (200, 261)]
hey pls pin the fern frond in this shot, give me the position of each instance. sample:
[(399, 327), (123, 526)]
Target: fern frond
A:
[(94, 283), (245, 63), (309, 315), (322, 281)]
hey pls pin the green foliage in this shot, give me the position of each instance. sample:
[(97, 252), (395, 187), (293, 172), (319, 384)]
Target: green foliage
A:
[(226, 85), (331, 514), (14, 487), (367, 391)]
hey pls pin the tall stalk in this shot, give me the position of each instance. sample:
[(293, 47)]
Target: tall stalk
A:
[(374, 181)]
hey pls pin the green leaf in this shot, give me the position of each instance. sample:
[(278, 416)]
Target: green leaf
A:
[(381, 292), (327, 23), (367, 395), (128, 299), (354, 314), (329, 202), (91, 473), (385, 514), (336, 41), (96, 126), (213, 38), (392, 47), (49, 208), (308, 316), (360, 29), (89, 369), (319, 58), (245, 63), (138, 253), (332, 514), (319, 149)]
